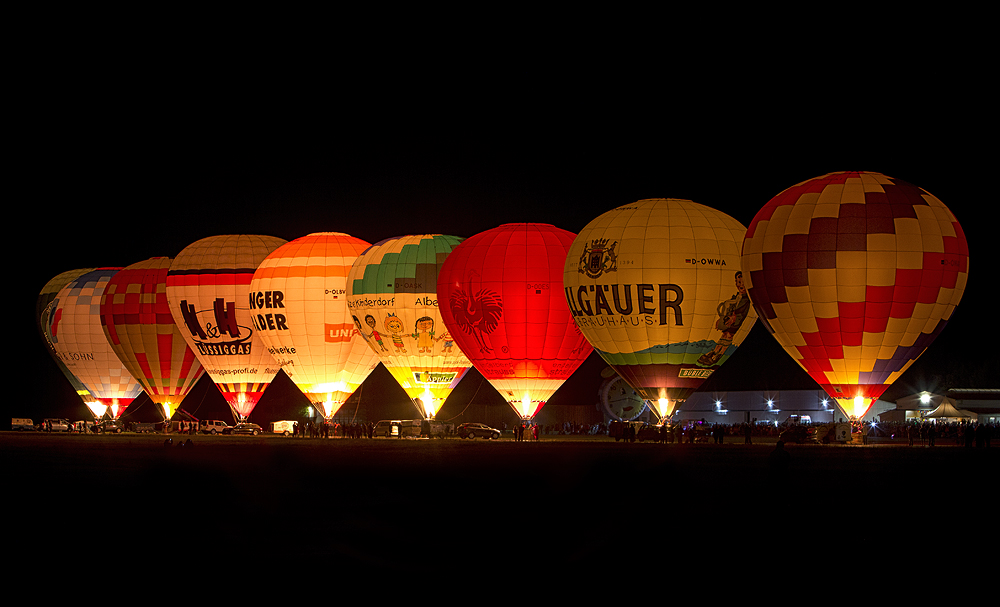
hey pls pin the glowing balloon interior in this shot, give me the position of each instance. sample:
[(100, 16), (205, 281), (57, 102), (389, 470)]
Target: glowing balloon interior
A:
[(855, 274), (501, 296), (44, 309), (74, 330), (656, 288), (138, 325), (392, 295), (298, 301), (208, 287)]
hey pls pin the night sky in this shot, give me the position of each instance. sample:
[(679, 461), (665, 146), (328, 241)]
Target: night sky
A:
[(114, 181)]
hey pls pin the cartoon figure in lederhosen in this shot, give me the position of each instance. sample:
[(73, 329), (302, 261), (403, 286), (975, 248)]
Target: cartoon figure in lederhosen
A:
[(395, 328), (732, 313), (448, 342)]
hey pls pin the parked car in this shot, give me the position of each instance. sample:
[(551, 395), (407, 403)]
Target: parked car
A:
[(213, 426), (649, 432), (246, 428), (110, 427), (55, 424), (472, 430), (798, 434)]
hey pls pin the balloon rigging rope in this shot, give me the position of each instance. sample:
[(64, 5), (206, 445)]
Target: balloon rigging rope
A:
[(462, 412), (358, 405)]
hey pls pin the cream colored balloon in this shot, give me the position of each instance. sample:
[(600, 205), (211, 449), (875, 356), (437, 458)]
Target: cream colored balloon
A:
[(208, 285)]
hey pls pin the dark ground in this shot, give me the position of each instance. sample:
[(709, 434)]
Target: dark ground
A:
[(458, 507)]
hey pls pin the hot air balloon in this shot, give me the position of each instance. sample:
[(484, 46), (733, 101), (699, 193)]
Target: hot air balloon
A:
[(501, 298), (208, 288), (73, 327), (656, 288), (855, 274), (42, 311), (392, 294), (298, 302), (138, 325)]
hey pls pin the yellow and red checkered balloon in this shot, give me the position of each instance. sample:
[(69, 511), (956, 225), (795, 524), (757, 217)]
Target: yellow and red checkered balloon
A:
[(855, 274)]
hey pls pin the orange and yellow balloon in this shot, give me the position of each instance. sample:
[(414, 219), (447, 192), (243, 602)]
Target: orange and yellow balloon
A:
[(298, 303), (855, 274)]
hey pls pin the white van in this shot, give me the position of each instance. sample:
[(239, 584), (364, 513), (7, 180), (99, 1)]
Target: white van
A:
[(56, 424), (212, 426), (285, 427), (21, 423)]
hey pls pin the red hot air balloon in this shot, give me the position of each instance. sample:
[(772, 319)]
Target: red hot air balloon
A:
[(501, 297), (138, 324), (855, 274)]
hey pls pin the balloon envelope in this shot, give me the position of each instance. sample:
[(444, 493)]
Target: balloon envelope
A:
[(208, 287), (42, 311), (501, 298), (138, 325), (656, 288), (855, 274), (74, 329), (392, 292), (298, 300)]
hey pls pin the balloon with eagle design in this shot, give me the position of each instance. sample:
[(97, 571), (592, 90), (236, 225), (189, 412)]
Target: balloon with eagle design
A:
[(501, 297)]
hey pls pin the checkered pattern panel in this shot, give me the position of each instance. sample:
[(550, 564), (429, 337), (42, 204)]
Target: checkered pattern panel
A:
[(855, 273), (138, 324)]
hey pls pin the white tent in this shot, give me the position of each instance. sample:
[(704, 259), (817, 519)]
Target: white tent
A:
[(947, 409)]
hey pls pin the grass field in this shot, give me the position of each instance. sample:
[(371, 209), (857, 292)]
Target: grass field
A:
[(387, 502)]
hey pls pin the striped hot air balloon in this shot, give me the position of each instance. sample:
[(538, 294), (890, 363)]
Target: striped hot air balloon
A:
[(208, 287)]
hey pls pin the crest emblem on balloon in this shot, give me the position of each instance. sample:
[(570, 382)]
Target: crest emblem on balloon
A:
[(855, 274), (656, 288)]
